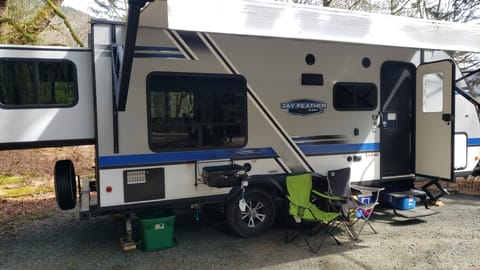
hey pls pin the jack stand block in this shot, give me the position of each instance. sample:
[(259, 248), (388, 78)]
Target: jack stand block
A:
[(127, 245), (127, 242)]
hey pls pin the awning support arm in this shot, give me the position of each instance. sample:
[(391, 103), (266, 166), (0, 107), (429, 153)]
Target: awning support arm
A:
[(133, 18)]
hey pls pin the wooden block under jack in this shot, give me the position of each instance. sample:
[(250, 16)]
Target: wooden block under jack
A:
[(438, 203), (127, 245)]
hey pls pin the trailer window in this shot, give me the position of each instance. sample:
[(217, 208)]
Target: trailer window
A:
[(355, 96), (196, 111), (433, 92), (37, 83)]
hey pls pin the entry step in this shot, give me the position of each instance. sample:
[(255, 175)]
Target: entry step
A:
[(407, 193), (415, 212), (404, 205)]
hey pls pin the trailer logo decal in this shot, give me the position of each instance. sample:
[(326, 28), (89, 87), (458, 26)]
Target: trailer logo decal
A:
[(303, 106)]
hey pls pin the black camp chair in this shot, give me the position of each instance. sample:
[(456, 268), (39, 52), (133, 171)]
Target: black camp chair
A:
[(339, 186)]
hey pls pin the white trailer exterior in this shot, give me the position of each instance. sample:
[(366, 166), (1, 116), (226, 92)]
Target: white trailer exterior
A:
[(186, 86)]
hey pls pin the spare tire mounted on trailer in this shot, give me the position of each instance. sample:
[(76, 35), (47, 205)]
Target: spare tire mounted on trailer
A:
[(65, 185)]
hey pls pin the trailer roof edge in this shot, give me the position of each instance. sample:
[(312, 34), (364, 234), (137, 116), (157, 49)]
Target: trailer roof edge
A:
[(296, 21)]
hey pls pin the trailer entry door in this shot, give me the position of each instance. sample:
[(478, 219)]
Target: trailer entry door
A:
[(435, 120)]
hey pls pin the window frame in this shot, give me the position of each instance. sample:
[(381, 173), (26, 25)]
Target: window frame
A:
[(194, 76), (355, 84), (44, 106)]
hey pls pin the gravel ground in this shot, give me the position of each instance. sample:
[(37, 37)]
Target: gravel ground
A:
[(58, 240)]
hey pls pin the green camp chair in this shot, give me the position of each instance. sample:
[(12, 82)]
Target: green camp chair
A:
[(309, 218)]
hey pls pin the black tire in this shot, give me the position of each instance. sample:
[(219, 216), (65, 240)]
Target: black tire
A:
[(65, 184), (258, 217)]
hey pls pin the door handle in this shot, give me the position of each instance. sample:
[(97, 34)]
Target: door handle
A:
[(446, 117), (354, 158)]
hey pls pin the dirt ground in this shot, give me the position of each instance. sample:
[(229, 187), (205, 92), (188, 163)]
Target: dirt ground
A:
[(42, 237)]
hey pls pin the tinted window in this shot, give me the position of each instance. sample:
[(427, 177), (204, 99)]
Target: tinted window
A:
[(37, 83), (196, 111), (354, 96)]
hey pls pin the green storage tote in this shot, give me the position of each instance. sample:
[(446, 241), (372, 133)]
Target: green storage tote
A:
[(156, 230)]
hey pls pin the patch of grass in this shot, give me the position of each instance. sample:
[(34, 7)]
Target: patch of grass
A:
[(40, 215), (10, 180), (25, 191)]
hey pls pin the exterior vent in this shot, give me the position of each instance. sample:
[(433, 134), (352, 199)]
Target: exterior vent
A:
[(136, 177)]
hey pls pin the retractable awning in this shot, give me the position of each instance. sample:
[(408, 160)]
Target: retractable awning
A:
[(287, 20)]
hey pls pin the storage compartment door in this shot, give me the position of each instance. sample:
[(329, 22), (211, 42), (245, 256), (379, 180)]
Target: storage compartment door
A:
[(434, 131)]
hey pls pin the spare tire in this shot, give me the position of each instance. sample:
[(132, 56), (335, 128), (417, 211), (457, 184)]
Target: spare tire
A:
[(65, 184)]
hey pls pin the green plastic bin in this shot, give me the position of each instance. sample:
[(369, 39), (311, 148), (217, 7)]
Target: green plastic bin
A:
[(156, 230)]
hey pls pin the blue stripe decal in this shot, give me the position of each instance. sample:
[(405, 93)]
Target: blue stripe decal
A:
[(184, 156), (473, 142), (322, 149), (310, 149)]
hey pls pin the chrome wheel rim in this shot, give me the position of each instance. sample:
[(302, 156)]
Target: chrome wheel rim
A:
[(253, 214)]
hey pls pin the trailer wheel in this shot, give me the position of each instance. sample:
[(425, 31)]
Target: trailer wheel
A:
[(258, 216), (65, 186)]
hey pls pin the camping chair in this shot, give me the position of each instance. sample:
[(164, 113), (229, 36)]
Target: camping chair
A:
[(306, 214), (339, 186)]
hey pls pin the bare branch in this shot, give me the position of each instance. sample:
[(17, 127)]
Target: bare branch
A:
[(400, 9)]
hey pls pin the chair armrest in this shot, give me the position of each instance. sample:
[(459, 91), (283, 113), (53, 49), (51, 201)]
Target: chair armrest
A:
[(326, 196), (364, 189), (371, 190)]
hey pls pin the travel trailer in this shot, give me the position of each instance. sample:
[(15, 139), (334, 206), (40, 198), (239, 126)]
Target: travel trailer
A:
[(194, 103)]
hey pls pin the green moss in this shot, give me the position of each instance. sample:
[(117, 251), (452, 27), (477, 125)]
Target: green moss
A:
[(25, 191), (10, 180)]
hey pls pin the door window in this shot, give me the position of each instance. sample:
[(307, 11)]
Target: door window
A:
[(433, 92)]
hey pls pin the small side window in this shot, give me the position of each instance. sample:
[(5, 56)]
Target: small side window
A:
[(196, 111), (433, 92), (37, 83), (355, 96)]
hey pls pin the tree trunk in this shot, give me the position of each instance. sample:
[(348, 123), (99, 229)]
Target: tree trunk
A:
[(43, 18), (3, 14)]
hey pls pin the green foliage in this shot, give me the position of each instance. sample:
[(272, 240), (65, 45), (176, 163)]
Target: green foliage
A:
[(10, 180), (22, 10), (58, 34), (26, 21), (20, 186), (25, 191)]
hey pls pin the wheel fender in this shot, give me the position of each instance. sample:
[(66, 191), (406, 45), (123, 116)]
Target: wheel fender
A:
[(273, 184)]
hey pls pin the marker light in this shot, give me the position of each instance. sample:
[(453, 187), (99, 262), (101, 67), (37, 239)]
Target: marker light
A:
[(108, 189)]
